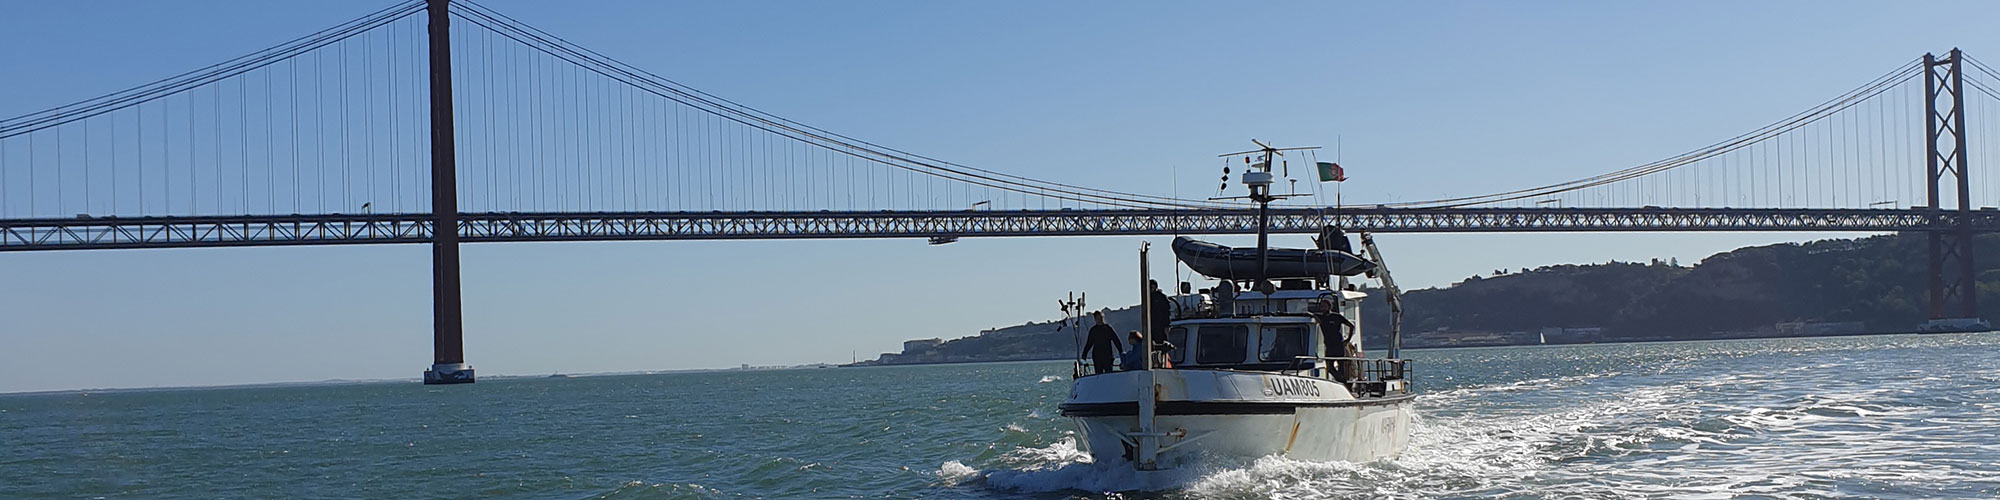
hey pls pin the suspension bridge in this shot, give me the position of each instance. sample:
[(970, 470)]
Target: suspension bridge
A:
[(435, 114)]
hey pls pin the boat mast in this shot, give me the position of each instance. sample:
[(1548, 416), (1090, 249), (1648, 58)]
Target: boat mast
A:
[(1260, 192), (1258, 178)]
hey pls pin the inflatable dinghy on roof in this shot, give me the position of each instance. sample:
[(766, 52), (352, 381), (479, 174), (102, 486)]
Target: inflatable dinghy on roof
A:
[(1221, 262)]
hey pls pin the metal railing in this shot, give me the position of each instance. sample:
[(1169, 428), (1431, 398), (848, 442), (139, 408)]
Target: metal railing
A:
[(1080, 368), (1363, 376)]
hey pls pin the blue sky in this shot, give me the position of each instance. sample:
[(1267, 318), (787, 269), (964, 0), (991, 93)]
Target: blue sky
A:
[(1429, 100)]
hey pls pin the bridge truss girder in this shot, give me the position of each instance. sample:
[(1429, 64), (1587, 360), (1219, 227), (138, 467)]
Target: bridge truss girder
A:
[(289, 230)]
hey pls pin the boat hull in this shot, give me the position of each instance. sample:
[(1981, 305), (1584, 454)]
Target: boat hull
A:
[(1205, 415)]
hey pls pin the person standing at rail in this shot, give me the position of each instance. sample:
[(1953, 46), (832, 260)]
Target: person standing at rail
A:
[(1102, 346), (1161, 314), (1336, 335)]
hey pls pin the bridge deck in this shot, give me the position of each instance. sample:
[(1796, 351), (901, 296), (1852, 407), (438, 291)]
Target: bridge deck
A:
[(281, 230)]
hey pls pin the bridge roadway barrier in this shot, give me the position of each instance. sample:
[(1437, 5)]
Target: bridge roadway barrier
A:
[(86, 233)]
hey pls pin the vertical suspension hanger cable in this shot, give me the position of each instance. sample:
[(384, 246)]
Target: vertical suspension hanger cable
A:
[(113, 153), (194, 204), (62, 195), (368, 119), (346, 147), (319, 130), (618, 122), (585, 146), (34, 205), (1853, 152), (678, 161), (414, 59), (292, 67), (536, 92), (489, 95), (270, 147), (395, 139), (628, 158), (518, 121), (87, 207), (243, 143), (138, 129)]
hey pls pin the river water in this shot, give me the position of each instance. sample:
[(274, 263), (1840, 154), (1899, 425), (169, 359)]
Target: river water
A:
[(1902, 416)]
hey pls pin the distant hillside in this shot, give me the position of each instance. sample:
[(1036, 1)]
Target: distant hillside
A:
[(1043, 340), (1868, 285), (1878, 282)]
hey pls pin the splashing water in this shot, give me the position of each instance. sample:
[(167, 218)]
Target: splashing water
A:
[(1775, 418)]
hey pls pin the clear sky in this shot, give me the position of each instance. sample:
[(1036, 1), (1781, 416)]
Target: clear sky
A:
[(1430, 100)]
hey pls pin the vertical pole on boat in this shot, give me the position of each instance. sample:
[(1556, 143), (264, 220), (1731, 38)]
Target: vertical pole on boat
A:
[(1145, 306), (1075, 333), (1263, 228), (1149, 444)]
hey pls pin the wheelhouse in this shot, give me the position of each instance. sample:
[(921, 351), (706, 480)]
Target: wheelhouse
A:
[(1253, 333)]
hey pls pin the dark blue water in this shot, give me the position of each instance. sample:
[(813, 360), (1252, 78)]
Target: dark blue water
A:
[(1878, 417)]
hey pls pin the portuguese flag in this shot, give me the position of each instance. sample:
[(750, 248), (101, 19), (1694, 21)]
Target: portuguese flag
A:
[(1330, 171)]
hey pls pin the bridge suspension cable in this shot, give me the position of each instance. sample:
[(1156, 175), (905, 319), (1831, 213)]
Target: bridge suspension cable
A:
[(323, 123), (1877, 87), (213, 73), (334, 122), (766, 122)]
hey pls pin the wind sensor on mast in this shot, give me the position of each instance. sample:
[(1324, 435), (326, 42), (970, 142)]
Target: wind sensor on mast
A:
[(1257, 176)]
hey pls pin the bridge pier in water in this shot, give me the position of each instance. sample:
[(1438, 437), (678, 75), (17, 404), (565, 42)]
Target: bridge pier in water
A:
[(447, 317)]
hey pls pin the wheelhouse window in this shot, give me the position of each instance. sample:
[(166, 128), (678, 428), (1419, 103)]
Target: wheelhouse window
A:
[(1282, 343), (1221, 344), (1178, 337)]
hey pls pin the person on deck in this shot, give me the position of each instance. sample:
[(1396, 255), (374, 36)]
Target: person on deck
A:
[(1135, 353), (1102, 344), (1160, 312), (1335, 333)]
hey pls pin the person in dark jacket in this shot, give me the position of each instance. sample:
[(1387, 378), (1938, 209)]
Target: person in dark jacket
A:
[(1160, 313), (1333, 330), (1336, 334), (1102, 346)]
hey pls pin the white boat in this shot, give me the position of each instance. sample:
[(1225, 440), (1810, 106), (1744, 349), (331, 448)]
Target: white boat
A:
[(1955, 325), (1252, 374)]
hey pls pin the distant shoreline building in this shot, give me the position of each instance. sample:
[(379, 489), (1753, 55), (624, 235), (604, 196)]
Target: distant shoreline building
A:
[(920, 345)]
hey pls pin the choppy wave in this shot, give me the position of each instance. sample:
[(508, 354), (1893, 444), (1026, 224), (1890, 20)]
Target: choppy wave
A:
[(635, 490), (1062, 466)]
